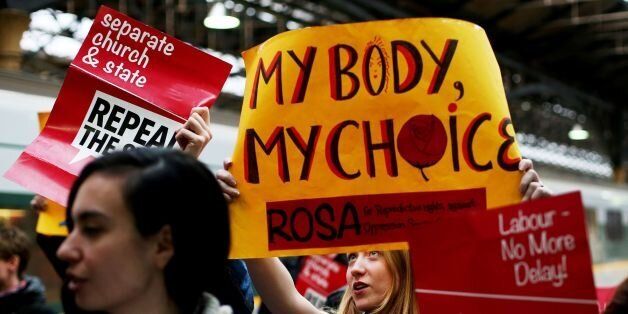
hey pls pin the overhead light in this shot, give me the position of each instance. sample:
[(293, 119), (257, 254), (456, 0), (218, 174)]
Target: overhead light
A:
[(577, 133), (292, 25), (217, 18), (266, 17)]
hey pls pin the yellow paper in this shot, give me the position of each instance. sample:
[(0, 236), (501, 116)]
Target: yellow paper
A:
[(419, 77), (50, 221)]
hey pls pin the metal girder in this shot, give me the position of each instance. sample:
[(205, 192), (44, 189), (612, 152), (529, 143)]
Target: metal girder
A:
[(556, 13), (329, 15), (507, 11), (613, 67), (416, 8), (256, 6), (608, 52), (550, 3), (383, 8), (597, 102), (596, 18), (352, 9), (557, 24), (610, 27), (591, 19)]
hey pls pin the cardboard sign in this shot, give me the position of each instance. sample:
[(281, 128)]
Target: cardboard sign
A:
[(373, 108), (129, 86), (320, 276), (528, 258)]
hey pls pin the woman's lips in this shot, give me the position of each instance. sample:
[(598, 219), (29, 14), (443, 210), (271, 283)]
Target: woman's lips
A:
[(75, 283), (359, 288)]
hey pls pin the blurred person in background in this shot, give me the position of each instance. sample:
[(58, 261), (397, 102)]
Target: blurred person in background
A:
[(19, 293)]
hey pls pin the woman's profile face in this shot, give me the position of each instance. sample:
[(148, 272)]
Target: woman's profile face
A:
[(110, 263), (368, 278)]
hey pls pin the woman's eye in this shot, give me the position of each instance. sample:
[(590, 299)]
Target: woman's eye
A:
[(374, 253), (91, 231), (351, 257)]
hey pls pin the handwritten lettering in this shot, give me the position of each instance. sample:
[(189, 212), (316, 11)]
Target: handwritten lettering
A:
[(525, 223)]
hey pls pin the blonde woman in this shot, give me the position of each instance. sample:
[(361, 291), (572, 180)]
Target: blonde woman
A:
[(377, 281)]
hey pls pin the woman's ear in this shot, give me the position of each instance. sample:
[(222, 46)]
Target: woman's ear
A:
[(164, 246)]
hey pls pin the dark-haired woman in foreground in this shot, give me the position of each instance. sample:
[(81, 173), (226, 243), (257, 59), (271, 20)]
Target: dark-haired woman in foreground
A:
[(136, 221)]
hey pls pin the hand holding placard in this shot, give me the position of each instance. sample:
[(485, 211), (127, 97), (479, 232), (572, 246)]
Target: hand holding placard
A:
[(129, 86), (366, 110)]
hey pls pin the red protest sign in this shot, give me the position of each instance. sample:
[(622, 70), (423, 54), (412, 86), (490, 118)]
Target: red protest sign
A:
[(361, 219), (531, 257), (129, 86), (605, 296), (321, 275), (145, 62)]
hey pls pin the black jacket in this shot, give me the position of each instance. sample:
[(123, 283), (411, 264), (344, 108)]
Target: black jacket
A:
[(28, 300)]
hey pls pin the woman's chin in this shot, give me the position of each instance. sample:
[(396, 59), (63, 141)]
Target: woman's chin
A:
[(86, 304), (365, 306)]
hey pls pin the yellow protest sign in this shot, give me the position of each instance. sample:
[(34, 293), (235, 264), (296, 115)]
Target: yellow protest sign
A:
[(339, 121), (50, 221)]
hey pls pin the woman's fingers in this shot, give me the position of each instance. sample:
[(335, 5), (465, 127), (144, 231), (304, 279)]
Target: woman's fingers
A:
[(226, 177), (231, 191), (190, 142), (226, 164), (532, 187), (200, 118), (38, 203), (528, 178), (529, 175), (227, 184), (525, 164), (541, 192), (195, 134)]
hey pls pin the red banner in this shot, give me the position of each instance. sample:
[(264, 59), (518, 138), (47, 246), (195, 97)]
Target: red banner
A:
[(531, 257), (361, 219), (129, 86), (321, 275)]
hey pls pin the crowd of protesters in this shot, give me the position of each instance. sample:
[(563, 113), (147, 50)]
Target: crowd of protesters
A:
[(135, 221)]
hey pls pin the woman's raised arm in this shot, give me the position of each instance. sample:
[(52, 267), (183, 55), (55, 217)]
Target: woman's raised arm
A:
[(274, 284)]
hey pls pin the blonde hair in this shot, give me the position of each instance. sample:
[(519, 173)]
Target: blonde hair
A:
[(399, 298)]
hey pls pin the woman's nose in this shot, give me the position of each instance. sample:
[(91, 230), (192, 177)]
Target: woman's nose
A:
[(68, 251), (357, 269)]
